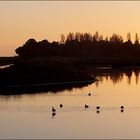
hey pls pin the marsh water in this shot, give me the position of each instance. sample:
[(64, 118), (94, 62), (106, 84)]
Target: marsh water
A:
[(30, 115)]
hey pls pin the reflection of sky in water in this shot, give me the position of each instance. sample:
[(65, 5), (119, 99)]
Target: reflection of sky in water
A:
[(6, 66), (30, 116)]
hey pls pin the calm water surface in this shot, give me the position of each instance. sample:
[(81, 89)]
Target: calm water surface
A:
[(30, 116)]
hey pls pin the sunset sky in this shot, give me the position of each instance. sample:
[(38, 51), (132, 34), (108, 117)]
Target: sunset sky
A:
[(21, 20)]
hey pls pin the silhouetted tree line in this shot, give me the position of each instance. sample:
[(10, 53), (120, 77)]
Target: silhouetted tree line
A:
[(83, 45)]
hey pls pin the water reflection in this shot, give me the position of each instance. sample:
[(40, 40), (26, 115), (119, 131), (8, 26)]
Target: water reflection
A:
[(113, 75), (53, 114), (97, 111), (122, 110), (105, 118), (11, 97), (117, 75), (46, 87)]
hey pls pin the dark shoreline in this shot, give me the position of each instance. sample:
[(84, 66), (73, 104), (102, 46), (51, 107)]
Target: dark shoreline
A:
[(43, 74), (45, 87)]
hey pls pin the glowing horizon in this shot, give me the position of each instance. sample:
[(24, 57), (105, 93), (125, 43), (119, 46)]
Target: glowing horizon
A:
[(21, 20)]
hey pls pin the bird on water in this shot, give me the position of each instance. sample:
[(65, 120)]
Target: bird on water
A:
[(97, 107), (89, 94), (61, 105), (86, 106), (122, 107), (53, 109)]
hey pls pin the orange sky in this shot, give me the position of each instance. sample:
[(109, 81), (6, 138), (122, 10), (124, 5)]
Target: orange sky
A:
[(21, 20)]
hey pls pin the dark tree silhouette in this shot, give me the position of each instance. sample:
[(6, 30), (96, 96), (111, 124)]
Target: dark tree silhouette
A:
[(136, 40), (93, 47)]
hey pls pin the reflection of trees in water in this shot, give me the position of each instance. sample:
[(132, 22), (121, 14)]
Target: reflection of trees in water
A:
[(117, 75), (129, 75), (136, 72), (33, 90)]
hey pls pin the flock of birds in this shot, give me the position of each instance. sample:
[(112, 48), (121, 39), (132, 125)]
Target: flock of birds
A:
[(86, 106)]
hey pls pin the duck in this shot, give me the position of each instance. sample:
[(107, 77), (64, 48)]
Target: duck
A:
[(53, 109), (89, 94), (122, 107), (86, 106), (97, 107), (61, 105)]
